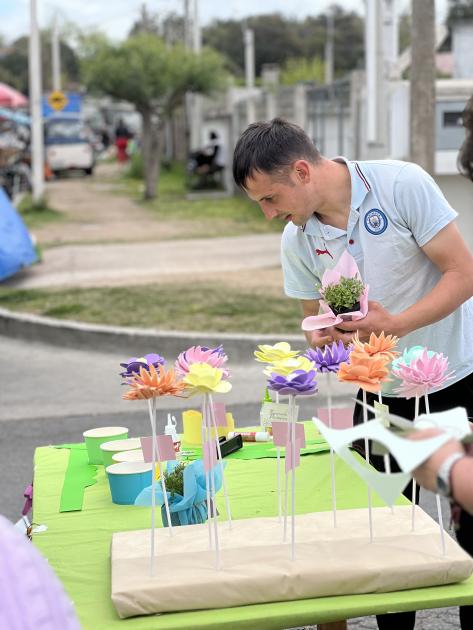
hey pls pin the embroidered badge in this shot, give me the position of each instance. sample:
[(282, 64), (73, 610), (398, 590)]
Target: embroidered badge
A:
[(376, 221), (319, 252)]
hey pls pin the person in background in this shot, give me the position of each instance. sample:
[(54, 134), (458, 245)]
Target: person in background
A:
[(122, 135)]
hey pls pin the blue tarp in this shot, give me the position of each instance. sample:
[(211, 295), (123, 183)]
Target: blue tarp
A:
[(16, 246)]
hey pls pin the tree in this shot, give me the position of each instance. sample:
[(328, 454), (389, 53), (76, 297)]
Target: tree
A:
[(302, 69), (154, 77), (147, 23)]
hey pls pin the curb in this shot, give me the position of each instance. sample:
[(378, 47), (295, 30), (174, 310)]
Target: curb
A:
[(132, 341)]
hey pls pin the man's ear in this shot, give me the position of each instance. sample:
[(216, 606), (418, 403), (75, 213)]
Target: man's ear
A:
[(302, 171)]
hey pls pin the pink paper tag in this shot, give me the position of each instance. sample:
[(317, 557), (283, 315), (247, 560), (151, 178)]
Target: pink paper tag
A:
[(342, 418), (219, 413), (289, 463), (164, 448), (209, 452), (280, 433)]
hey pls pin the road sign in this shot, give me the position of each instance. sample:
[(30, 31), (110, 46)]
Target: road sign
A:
[(57, 100)]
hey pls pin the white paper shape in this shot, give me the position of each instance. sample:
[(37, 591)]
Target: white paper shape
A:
[(454, 422), (276, 412), (408, 453)]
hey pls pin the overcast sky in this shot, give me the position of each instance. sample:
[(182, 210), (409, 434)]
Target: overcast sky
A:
[(115, 17)]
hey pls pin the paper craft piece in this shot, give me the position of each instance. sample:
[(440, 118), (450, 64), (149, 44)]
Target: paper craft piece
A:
[(276, 412), (368, 372), (289, 462), (132, 366), (422, 375), (209, 453), (379, 345), (342, 418), (270, 354), (78, 476), (215, 357), (281, 434), (408, 453), (286, 367), (328, 358), (164, 448), (203, 379), (382, 413), (453, 421), (346, 267), (153, 382), (297, 383), (219, 414)]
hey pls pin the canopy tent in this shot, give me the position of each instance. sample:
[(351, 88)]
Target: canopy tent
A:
[(17, 117), (9, 97), (16, 246)]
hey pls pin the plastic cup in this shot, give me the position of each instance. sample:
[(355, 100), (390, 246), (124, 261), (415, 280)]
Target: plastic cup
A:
[(192, 423), (127, 480), (136, 455), (95, 437), (108, 449)]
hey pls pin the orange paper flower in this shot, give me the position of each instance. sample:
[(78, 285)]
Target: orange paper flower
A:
[(379, 346), (153, 383), (368, 372)]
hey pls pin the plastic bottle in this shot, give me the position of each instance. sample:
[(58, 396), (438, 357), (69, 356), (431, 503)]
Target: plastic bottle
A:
[(170, 429)]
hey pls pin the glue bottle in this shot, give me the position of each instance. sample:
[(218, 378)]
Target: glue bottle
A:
[(170, 429)]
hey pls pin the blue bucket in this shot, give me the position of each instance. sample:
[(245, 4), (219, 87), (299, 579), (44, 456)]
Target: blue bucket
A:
[(127, 480)]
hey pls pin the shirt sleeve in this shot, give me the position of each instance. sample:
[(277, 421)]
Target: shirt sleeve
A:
[(421, 204), (299, 280)]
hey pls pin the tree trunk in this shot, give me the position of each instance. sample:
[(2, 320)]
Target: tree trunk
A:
[(152, 150), (422, 77)]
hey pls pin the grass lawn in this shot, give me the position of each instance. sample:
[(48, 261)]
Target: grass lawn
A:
[(37, 215), (201, 217), (198, 306)]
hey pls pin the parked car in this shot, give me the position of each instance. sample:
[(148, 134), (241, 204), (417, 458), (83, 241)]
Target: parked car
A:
[(68, 145)]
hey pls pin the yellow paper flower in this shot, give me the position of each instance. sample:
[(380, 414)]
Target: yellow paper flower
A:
[(205, 379), (378, 345), (289, 365), (278, 352)]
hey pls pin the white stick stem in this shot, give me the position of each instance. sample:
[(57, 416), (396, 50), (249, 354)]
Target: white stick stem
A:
[(212, 486), (205, 438), (414, 485), (332, 454), (277, 398), (224, 483), (161, 471), (153, 483), (279, 486), (386, 458), (367, 457), (293, 471)]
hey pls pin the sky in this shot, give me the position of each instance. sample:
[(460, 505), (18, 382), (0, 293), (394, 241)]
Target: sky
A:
[(115, 17)]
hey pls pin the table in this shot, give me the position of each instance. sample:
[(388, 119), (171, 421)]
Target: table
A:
[(77, 547)]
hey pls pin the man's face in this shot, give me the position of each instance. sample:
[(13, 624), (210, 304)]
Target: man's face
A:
[(286, 199)]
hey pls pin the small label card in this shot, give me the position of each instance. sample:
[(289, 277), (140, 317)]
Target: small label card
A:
[(381, 413), (275, 412)]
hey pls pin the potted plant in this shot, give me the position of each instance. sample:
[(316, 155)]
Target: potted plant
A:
[(344, 296)]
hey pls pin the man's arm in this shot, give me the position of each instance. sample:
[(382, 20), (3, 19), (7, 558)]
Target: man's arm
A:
[(315, 338), (450, 254)]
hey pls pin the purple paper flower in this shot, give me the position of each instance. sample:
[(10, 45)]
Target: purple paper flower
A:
[(133, 365), (298, 383), (329, 358)]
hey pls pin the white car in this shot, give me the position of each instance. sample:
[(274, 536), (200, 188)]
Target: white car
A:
[(68, 145)]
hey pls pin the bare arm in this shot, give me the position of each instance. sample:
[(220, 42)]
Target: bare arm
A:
[(450, 254), (315, 338)]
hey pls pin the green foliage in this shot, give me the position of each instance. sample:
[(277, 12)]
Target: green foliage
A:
[(175, 480), (459, 10), (136, 169), (296, 70), (344, 294), (36, 214)]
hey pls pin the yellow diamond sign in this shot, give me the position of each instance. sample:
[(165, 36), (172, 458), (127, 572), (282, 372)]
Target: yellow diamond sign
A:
[(57, 100)]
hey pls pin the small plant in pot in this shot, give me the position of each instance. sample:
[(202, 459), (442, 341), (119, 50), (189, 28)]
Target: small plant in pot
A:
[(343, 297)]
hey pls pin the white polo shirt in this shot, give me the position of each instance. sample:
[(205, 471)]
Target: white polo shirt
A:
[(396, 208)]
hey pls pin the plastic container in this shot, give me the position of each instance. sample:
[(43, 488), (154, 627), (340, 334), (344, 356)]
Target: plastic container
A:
[(192, 423), (127, 480), (136, 455), (108, 449), (95, 437)]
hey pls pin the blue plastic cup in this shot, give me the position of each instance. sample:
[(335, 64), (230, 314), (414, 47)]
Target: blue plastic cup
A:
[(127, 480)]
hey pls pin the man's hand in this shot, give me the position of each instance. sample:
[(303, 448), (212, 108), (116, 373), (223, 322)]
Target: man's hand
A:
[(426, 473), (377, 320), (319, 338)]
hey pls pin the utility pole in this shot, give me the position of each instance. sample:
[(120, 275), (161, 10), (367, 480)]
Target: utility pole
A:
[(34, 67), (422, 81), (374, 71), (249, 41), (329, 40), (56, 56)]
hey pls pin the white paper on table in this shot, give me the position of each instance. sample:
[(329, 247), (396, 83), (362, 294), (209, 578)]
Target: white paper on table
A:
[(408, 453), (276, 412)]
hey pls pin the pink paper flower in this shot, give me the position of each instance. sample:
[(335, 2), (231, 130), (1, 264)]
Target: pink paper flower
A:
[(199, 354), (422, 374)]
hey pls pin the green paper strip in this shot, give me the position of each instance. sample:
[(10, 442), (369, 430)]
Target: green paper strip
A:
[(78, 476)]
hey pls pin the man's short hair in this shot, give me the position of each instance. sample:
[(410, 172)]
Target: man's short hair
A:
[(269, 147)]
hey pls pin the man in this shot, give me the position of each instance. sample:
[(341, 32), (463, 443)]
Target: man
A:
[(393, 219)]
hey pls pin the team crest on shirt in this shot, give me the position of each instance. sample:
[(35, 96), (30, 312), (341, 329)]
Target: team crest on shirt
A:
[(376, 221)]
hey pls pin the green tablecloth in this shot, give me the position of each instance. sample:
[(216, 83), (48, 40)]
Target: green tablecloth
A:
[(77, 545)]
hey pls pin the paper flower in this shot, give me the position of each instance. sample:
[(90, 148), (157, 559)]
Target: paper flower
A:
[(377, 345), (422, 374), (298, 383), (368, 372), (133, 365), (153, 382), (409, 355), (286, 366), (214, 357), (205, 379), (329, 358), (278, 352)]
